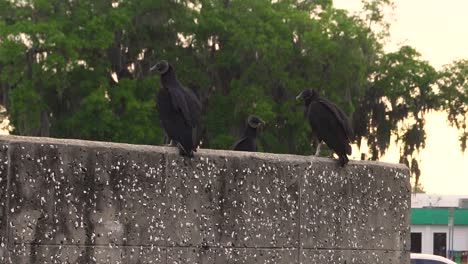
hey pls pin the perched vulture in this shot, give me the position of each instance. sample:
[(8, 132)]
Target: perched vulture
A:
[(179, 110), (247, 141), (329, 123)]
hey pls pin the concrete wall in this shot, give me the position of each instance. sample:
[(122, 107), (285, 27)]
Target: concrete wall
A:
[(70, 201)]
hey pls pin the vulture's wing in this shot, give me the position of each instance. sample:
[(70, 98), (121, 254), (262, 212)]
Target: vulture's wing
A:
[(238, 143), (340, 115), (180, 102), (195, 111)]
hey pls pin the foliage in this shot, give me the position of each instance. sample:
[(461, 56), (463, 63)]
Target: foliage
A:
[(453, 87), (81, 69), (57, 59), (399, 94), (418, 189)]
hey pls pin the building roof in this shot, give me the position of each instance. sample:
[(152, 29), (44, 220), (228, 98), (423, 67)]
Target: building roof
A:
[(420, 200), (438, 216)]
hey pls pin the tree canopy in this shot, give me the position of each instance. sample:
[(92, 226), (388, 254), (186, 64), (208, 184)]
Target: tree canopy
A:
[(80, 69)]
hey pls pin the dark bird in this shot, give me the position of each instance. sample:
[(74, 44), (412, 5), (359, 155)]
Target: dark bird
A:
[(247, 141), (179, 110), (329, 123)]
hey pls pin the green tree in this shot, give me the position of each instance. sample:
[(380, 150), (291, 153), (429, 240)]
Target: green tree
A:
[(259, 55), (78, 69), (399, 94), (418, 189), (453, 89)]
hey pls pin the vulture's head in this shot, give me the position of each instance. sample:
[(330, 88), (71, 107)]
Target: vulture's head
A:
[(161, 67), (307, 94), (254, 121)]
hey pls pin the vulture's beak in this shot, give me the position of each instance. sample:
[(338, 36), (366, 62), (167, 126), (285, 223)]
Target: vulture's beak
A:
[(299, 97)]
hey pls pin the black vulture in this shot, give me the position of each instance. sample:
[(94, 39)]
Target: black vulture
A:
[(329, 123), (247, 141), (179, 110)]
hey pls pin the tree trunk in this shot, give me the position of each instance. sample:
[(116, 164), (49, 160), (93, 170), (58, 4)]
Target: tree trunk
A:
[(45, 124)]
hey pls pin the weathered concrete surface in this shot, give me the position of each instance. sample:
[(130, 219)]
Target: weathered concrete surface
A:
[(71, 201), (4, 161)]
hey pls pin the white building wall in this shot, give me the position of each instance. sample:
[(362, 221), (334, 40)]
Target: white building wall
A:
[(460, 241), (460, 238)]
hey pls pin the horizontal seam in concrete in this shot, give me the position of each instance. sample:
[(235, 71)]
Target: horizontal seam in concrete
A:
[(207, 248), (354, 249), (144, 246)]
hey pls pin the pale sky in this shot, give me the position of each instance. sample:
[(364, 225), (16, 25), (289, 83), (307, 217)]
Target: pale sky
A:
[(438, 30)]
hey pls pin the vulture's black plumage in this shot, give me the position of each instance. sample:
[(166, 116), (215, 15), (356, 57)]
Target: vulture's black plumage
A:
[(248, 140), (179, 110), (328, 122)]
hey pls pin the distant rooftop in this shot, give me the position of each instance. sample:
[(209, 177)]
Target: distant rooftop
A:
[(421, 200)]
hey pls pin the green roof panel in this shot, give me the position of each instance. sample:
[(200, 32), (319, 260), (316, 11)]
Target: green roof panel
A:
[(438, 216)]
